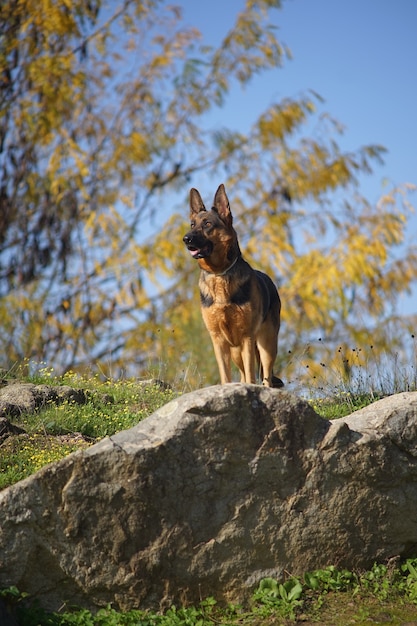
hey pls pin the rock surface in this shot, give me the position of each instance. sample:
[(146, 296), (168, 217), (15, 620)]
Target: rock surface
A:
[(17, 398), (213, 492)]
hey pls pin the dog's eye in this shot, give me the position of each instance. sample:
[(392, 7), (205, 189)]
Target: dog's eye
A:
[(206, 224), (192, 224)]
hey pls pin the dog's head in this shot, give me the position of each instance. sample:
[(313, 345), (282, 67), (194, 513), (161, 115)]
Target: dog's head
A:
[(212, 236)]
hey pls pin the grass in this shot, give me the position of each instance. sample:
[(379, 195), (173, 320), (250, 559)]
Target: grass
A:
[(59, 429), (361, 373), (341, 404), (24, 455), (337, 382), (382, 595)]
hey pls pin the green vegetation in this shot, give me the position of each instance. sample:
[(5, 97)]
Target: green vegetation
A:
[(341, 404), (59, 429), (352, 378), (359, 368), (382, 595)]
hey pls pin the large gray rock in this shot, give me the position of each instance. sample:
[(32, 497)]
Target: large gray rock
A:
[(213, 492)]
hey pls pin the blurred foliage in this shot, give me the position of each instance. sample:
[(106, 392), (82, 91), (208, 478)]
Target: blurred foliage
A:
[(104, 127)]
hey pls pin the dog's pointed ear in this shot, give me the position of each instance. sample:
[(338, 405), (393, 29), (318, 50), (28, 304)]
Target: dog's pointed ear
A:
[(196, 203), (221, 204)]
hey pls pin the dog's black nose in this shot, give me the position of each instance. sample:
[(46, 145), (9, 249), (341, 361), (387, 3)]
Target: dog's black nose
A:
[(187, 239)]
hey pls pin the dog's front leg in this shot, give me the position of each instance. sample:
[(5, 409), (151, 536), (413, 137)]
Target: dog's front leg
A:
[(222, 354), (238, 361), (248, 357)]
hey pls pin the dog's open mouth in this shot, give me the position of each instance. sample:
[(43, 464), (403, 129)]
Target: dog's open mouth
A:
[(200, 253)]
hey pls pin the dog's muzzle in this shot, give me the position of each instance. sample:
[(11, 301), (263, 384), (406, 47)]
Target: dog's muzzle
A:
[(198, 246)]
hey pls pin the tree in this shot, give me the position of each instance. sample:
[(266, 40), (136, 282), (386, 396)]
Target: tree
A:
[(103, 127)]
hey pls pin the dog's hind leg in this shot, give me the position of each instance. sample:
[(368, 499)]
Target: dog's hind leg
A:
[(267, 363), (267, 345)]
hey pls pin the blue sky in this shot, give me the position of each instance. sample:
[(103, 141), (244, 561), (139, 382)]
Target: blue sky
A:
[(360, 56)]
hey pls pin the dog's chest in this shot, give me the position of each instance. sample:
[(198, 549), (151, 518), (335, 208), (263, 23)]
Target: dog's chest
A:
[(218, 291)]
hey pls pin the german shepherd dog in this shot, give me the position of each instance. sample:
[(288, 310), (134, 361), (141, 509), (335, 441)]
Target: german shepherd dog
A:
[(240, 306)]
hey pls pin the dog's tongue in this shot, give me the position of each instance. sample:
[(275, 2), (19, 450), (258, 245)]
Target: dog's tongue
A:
[(194, 252)]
